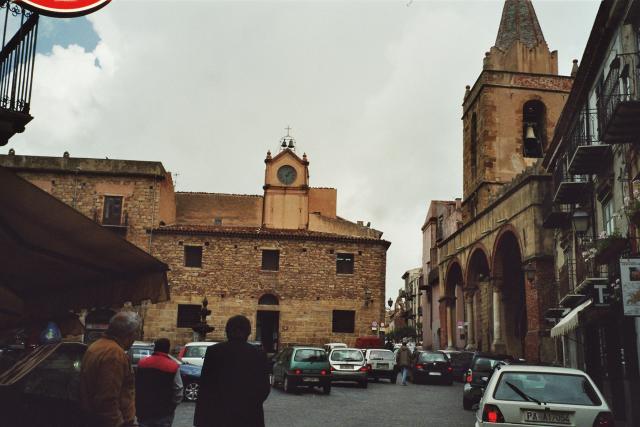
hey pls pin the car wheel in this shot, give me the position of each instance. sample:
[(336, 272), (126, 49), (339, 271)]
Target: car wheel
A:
[(191, 391), (287, 386), (326, 389), (364, 384), (466, 404), (393, 379)]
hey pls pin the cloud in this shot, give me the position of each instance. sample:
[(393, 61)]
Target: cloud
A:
[(372, 90)]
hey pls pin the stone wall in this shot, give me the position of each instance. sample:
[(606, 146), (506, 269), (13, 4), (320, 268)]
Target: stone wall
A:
[(306, 285)]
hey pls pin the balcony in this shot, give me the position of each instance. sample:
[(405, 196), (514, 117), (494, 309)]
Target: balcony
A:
[(585, 151), (569, 188), (619, 101), (555, 215)]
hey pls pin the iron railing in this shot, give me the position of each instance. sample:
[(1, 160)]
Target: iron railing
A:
[(17, 58), (584, 131), (621, 85)]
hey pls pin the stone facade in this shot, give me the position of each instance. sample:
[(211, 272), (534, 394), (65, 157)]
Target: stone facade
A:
[(231, 232)]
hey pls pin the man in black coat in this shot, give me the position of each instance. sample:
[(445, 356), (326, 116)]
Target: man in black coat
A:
[(234, 381)]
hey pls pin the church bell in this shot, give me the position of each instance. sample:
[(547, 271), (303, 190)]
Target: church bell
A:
[(532, 146), (530, 136)]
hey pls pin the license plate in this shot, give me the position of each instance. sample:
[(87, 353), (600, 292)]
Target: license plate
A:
[(349, 367), (311, 380), (383, 365), (435, 374), (546, 417)]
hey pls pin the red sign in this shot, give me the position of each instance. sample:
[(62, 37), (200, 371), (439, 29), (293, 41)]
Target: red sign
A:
[(63, 8)]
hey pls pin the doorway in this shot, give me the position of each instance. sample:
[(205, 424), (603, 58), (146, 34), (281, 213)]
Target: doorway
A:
[(267, 330)]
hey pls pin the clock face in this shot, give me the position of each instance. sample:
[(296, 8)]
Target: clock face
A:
[(287, 174)]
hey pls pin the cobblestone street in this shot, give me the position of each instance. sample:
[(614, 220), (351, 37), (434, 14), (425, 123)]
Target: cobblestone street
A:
[(380, 404)]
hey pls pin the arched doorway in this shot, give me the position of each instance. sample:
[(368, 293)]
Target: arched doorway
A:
[(509, 296), (453, 306), (478, 327), (268, 323)]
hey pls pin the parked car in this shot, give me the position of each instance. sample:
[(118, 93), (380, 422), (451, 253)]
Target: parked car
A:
[(43, 388), (348, 364), (460, 362), (432, 366), (482, 367), (332, 345), (190, 380), (194, 352), (139, 350), (381, 363), (302, 366), (542, 396)]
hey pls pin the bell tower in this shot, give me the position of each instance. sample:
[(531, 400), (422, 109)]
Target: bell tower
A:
[(511, 110), (286, 188)]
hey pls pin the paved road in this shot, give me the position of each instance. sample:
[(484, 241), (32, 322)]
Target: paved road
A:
[(381, 404)]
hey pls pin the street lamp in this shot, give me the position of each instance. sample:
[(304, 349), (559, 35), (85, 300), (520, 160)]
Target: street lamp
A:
[(390, 302), (530, 272), (580, 220)]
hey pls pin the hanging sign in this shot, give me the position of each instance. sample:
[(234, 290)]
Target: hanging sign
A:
[(63, 8), (630, 280)]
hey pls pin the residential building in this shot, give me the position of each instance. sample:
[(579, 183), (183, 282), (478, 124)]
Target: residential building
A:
[(592, 209), (413, 300)]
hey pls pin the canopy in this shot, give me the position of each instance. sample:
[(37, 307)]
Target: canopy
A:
[(569, 322), (54, 259)]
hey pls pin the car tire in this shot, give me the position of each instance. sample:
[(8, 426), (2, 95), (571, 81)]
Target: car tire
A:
[(364, 384), (287, 386), (466, 404), (191, 391), (326, 389), (393, 379)]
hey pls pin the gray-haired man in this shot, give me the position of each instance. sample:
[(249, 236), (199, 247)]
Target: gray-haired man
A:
[(106, 380)]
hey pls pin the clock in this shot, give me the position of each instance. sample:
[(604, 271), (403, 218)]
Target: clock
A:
[(287, 174)]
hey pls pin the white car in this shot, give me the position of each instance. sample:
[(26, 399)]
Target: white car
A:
[(381, 364), (194, 352), (542, 396), (332, 345)]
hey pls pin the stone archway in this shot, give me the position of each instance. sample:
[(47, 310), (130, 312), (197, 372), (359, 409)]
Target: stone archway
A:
[(476, 290), (509, 302), (454, 306)]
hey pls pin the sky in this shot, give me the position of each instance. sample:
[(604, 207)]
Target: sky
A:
[(371, 89)]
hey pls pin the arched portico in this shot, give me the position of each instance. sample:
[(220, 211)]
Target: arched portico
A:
[(476, 282), (454, 307), (509, 303)]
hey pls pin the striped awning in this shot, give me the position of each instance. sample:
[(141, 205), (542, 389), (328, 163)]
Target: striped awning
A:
[(569, 322)]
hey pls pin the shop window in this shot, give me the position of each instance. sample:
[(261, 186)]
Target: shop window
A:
[(112, 211), (344, 321), (188, 315), (344, 263), (608, 222), (270, 260), (193, 256), (533, 129)]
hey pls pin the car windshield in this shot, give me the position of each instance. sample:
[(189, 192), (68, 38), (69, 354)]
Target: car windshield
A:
[(546, 387), (195, 351), (381, 355), (310, 355), (346, 355), (484, 364), (140, 352), (432, 357)]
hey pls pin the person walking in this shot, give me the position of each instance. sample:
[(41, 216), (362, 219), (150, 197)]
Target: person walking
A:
[(158, 387), (403, 360), (107, 392), (234, 381)]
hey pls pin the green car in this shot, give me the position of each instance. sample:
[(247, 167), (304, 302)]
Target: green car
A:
[(296, 367)]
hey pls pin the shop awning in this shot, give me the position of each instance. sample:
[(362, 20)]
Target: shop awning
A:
[(54, 259), (569, 322)]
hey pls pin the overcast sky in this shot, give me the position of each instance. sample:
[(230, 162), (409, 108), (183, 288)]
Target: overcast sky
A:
[(372, 90)]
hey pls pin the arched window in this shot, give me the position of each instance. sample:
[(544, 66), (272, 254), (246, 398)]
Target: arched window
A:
[(268, 299), (473, 149), (533, 129)]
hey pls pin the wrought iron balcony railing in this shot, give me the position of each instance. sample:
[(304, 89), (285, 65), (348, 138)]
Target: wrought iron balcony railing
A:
[(585, 150), (555, 215), (619, 100), (569, 188)]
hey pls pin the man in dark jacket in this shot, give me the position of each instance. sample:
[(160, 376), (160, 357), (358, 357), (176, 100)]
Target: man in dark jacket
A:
[(234, 381), (158, 387)]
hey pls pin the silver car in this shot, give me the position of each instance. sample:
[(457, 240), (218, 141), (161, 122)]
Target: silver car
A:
[(542, 396), (348, 364)]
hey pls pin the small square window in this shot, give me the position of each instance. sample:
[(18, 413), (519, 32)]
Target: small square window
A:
[(344, 321), (270, 260), (188, 315), (344, 263), (217, 221), (193, 256), (112, 210)]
